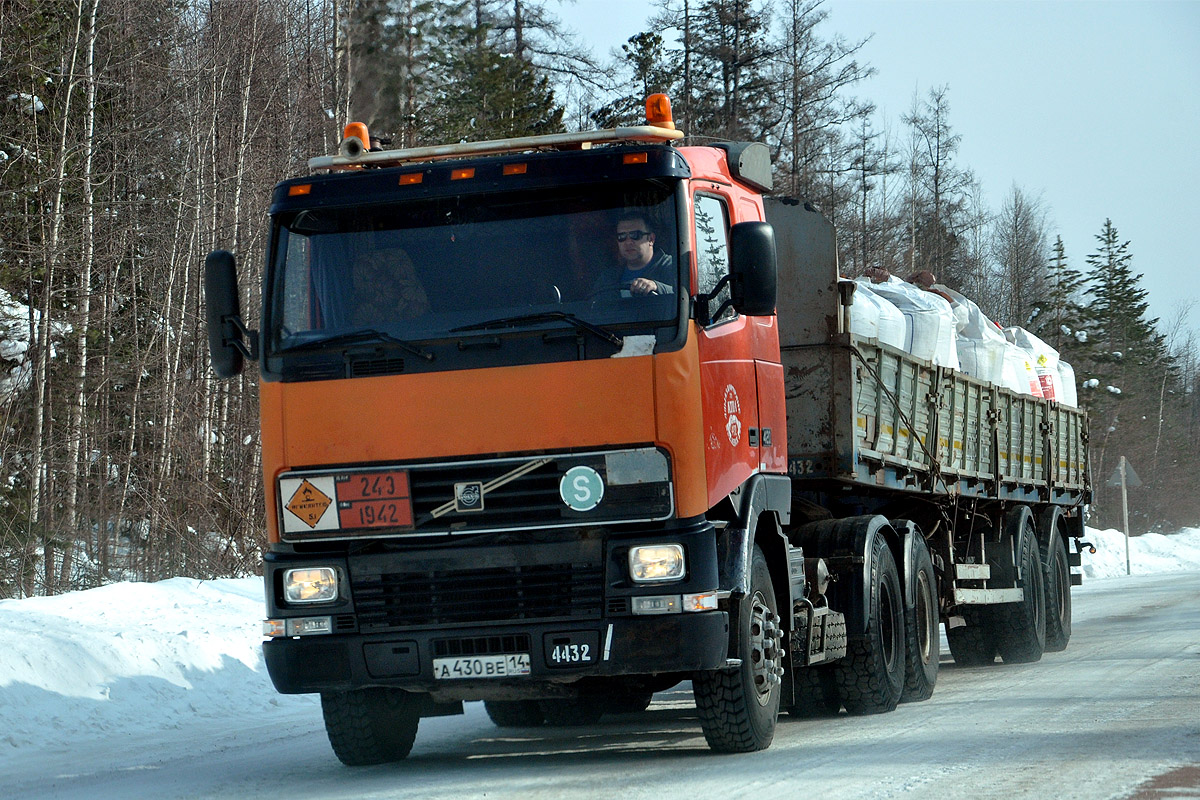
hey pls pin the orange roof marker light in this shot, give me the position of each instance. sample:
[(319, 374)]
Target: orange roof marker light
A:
[(409, 178), (462, 174), (299, 189), (658, 112), (635, 158), (515, 169), (355, 140)]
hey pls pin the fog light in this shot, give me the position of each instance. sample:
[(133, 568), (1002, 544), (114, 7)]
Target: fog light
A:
[(310, 585), (659, 562), (705, 601), (656, 604), (309, 626)]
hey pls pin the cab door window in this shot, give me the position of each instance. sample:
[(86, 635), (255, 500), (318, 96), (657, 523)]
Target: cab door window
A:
[(712, 250)]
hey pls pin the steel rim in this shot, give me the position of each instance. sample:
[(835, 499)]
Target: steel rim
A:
[(765, 653), (888, 630), (924, 608)]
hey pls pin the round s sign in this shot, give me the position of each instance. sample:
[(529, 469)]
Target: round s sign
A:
[(581, 488)]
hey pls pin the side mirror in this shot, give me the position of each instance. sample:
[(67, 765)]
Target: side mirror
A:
[(227, 333), (753, 268)]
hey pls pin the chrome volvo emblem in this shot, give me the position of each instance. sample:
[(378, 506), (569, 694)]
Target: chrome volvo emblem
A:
[(468, 496)]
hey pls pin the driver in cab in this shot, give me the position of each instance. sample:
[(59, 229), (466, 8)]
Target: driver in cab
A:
[(642, 269)]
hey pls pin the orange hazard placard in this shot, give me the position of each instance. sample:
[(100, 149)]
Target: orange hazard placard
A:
[(309, 503)]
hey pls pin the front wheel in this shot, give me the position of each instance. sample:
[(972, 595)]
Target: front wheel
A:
[(370, 726), (870, 678), (738, 706)]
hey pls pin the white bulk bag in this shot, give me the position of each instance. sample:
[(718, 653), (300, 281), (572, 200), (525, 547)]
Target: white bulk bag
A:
[(980, 343), (930, 321), (873, 316), (1019, 374), (1043, 357), (1067, 393)]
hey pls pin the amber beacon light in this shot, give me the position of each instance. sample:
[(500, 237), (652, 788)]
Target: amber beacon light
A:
[(658, 111)]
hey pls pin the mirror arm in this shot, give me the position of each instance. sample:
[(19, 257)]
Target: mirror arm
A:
[(251, 336), (703, 317)]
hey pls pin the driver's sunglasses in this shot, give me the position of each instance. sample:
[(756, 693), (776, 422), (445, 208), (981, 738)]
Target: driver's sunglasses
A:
[(635, 235)]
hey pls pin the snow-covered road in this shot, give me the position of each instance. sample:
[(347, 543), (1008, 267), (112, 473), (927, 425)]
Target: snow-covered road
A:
[(1120, 706)]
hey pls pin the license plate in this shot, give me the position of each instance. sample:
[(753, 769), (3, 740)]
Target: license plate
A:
[(481, 666)]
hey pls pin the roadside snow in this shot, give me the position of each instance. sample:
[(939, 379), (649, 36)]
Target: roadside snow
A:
[(132, 658)]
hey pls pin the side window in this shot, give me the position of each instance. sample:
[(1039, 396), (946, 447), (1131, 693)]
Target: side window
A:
[(712, 249)]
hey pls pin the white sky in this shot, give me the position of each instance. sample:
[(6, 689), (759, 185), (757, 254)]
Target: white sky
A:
[(1093, 106)]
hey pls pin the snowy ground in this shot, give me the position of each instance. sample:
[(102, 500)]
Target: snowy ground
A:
[(124, 661)]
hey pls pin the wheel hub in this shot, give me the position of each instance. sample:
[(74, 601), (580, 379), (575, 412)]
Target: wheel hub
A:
[(766, 652)]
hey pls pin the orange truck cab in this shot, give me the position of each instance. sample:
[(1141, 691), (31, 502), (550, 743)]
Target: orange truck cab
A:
[(525, 430)]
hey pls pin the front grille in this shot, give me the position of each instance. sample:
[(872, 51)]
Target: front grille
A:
[(530, 500), (527, 500), (458, 597)]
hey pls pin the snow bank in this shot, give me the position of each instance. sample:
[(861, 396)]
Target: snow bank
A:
[(132, 658), (1148, 553)]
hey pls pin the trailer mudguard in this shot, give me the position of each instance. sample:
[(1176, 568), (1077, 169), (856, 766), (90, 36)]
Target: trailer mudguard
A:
[(761, 497), (1047, 524), (846, 545), (910, 540)]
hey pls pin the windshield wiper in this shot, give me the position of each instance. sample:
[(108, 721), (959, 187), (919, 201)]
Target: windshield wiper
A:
[(545, 316), (361, 336)]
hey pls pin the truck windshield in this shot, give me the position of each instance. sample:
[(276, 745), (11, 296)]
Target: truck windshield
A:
[(453, 267)]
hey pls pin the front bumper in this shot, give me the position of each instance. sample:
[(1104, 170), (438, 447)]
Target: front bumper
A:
[(400, 608), (629, 646)]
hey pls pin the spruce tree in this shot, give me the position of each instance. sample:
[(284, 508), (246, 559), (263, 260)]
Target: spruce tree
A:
[(1060, 319)]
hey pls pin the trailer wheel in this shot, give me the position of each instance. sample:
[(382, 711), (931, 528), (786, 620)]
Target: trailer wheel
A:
[(871, 677), (738, 706), (816, 693), (572, 713), (1021, 627), (973, 644), (370, 726), (514, 713), (1058, 593), (923, 644)]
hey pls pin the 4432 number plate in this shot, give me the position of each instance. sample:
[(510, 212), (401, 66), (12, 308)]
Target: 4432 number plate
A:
[(574, 649)]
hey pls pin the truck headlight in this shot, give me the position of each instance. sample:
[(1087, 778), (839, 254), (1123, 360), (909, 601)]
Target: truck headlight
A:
[(654, 563), (310, 585)]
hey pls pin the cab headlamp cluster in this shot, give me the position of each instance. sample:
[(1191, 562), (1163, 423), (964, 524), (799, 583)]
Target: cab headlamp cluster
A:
[(656, 563), (301, 587), (310, 585)]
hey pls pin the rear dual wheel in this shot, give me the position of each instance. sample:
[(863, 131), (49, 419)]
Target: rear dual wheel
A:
[(1057, 575), (921, 634), (870, 679), (1020, 627)]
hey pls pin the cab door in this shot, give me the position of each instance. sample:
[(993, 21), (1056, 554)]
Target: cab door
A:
[(728, 383)]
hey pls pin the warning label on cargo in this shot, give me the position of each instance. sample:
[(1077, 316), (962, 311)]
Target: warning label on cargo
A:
[(309, 503)]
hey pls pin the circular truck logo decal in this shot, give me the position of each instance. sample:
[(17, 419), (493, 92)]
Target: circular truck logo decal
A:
[(581, 488), (733, 407)]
